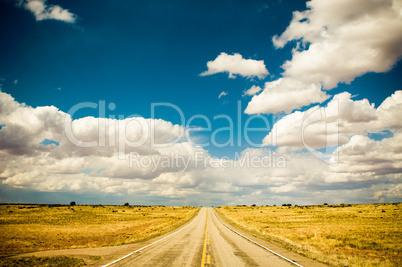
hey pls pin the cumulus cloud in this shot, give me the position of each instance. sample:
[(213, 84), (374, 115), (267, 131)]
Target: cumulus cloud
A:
[(24, 128), (345, 39), (342, 118), (285, 94), (42, 11), (336, 41), (236, 65), (364, 155), (87, 157), (158, 172), (388, 110)]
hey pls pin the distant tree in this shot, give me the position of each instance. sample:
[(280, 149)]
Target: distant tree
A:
[(325, 204), (72, 203), (126, 204), (253, 205)]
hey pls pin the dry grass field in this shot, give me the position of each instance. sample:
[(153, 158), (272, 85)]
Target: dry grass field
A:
[(26, 228), (339, 235), (61, 261)]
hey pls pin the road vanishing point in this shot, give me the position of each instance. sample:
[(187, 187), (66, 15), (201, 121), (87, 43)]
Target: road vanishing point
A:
[(208, 241)]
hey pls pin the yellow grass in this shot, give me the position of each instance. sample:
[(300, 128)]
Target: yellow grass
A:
[(42, 261), (25, 228), (340, 235)]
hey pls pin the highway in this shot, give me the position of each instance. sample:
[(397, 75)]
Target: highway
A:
[(206, 241)]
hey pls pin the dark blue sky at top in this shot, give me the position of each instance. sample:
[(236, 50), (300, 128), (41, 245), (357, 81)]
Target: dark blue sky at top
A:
[(135, 53)]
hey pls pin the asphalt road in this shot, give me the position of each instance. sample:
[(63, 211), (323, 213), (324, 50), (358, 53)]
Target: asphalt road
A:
[(207, 242)]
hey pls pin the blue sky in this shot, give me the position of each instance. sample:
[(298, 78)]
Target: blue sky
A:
[(132, 54), (121, 52)]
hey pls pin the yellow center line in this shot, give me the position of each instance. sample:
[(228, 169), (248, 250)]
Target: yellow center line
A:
[(204, 251)]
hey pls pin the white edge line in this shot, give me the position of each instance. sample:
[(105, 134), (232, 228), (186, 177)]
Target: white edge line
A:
[(128, 255), (279, 255)]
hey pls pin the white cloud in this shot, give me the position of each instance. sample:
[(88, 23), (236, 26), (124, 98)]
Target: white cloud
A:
[(42, 12), (336, 41), (285, 94), (7, 105), (303, 179), (364, 155), (337, 122), (236, 65), (24, 128), (252, 91), (389, 111), (346, 39), (26, 163), (223, 93)]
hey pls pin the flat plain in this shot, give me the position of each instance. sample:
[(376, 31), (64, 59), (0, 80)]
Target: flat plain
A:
[(26, 228), (339, 235)]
